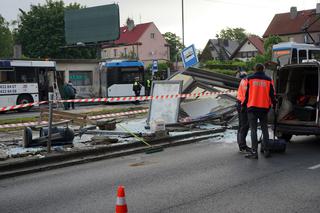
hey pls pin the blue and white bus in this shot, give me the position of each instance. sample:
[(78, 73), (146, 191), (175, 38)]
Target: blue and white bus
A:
[(25, 81), (294, 53), (118, 76)]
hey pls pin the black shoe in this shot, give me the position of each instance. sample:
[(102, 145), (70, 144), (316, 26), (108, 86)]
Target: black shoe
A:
[(252, 155), (245, 150)]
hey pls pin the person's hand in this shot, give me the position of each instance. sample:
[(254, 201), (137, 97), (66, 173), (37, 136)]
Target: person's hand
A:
[(243, 108)]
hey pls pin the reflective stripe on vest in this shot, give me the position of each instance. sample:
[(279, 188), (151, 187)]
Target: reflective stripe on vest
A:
[(148, 83), (135, 83), (259, 93), (242, 90)]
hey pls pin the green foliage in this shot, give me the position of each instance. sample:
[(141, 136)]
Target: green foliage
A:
[(162, 70), (175, 44), (225, 67), (268, 43), (236, 34), (6, 42), (41, 32)]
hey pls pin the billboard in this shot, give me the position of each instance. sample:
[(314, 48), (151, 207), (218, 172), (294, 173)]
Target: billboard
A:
[(92, 25)]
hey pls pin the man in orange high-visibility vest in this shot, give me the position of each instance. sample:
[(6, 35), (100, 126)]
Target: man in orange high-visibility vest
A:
[(260, 95), (242, 117)]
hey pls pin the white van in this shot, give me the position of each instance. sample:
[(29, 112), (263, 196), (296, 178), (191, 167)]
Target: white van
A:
[(297, 87)]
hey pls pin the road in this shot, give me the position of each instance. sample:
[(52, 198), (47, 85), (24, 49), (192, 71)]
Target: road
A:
[(201, 177)]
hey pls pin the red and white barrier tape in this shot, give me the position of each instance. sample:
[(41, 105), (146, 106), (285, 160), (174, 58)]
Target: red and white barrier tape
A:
[(4, 126), (120, 99), (7, 108), (118, 114)]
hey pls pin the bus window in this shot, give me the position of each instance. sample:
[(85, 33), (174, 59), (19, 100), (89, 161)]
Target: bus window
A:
[(128, 75), (302, 55), (112, 75), (281, 56), (25, 75), (294, 58), (314, 54)]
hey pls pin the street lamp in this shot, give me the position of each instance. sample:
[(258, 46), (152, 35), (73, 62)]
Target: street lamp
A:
[(182, 24)]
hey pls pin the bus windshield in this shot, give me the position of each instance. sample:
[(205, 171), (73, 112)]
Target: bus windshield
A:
[(281, 56), (128, 75)]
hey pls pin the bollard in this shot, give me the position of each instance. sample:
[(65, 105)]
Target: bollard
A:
[(50, 95)]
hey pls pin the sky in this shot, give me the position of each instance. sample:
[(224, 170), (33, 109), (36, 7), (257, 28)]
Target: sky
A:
[(203, 19)]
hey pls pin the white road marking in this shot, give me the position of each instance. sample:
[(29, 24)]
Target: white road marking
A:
[(314, 167)]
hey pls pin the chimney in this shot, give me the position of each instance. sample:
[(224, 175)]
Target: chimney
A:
[(293, 12), (130, 24), (318, 9)]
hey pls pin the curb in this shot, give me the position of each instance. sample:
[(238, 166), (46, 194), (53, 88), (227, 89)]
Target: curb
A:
[(85, 156)]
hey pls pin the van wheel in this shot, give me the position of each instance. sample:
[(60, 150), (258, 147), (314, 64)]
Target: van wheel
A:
[(24, 99), (286, 137)]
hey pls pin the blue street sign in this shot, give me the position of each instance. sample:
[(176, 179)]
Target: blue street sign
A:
[(154, 66), (189, 56)]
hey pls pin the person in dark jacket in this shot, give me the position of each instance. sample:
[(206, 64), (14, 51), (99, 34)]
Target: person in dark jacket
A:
[(136, 88), (69, 94), (260, 95)]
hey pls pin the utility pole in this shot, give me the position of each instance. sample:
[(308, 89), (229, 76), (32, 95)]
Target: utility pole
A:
[(182, 24)]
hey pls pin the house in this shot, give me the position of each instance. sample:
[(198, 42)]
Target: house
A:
[(142, 41), (292, 26), (249, 48), (218, 49)]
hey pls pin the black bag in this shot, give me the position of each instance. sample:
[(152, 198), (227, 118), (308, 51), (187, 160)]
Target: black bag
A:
[(277, 145)]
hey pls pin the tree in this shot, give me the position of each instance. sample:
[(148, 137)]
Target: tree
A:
[(6, 43), (41, 32), (268, 43), (236, 34), (175, 44)]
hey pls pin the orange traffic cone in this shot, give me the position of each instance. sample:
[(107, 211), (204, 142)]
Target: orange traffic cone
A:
[(121, 205)]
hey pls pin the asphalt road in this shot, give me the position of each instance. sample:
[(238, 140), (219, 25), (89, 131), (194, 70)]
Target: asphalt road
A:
[(201, 177)]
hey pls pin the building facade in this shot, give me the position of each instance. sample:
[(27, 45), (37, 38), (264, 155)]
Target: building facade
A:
[(143, 42)]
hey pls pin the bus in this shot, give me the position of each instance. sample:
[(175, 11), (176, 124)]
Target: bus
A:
[(118, 76), (25, 81), (294, 53)]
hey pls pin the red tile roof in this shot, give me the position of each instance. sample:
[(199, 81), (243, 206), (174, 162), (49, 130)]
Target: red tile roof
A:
[(283, 24), (132, 37), (257, 42)]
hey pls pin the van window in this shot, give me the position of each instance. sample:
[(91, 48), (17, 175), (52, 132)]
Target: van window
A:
[(281, 56), (294, 59), (302, 55), (314, 54)]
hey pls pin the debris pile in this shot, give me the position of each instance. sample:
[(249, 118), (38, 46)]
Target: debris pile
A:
[(168, 120)]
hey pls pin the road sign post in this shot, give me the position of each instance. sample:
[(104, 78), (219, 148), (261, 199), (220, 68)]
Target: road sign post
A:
[(154, 67), (50, 95), (189, 56)]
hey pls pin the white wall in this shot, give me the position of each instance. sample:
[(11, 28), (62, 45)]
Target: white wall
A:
[(82, 91)]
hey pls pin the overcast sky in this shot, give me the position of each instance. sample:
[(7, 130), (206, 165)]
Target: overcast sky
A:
[(203, 18)]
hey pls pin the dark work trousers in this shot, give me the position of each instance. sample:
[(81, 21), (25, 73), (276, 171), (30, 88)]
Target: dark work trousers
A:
[(253, 123), (243, 126), (137, 94), (72, 103)]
